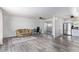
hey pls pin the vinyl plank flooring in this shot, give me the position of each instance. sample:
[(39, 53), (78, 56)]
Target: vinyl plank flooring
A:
[(41, 43)]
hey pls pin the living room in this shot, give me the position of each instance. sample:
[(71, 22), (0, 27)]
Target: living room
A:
[(35, 29)]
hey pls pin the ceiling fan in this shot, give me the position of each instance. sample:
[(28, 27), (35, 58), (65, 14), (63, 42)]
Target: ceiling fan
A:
[(42, 18)]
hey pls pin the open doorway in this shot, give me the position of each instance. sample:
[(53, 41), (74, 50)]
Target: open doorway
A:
[(48, 28)]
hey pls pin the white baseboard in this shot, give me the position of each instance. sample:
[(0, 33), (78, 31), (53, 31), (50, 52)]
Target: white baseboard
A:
[(1, 42)]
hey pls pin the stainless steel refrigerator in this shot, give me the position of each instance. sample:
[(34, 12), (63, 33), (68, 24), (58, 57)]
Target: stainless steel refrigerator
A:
[(67, 28)]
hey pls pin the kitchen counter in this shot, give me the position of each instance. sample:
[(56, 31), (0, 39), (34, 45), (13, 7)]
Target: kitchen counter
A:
[(75, 32)]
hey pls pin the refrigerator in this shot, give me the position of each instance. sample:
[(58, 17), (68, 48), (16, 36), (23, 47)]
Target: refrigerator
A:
[(67, 28)]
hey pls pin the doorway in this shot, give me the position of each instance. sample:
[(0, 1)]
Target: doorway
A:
[(48, 28)]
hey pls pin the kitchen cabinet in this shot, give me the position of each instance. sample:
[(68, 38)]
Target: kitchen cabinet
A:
[(75, 32)]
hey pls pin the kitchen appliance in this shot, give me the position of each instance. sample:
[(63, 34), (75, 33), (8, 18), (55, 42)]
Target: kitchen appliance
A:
[(67, 28)]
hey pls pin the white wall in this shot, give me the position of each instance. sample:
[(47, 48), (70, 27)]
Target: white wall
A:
[(12, 23), (58, 26), (1, 27), (53, 29)]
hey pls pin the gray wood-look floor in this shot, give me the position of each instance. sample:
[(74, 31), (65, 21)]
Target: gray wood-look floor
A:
[(41, 43)]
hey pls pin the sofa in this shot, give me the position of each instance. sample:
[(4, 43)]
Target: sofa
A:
[(23, 32)]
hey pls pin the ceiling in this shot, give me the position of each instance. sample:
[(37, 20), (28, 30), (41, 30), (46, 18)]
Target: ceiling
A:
[(38, 11)]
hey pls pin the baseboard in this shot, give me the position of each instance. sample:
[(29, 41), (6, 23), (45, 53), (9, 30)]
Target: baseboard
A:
[(1, 43), (8, 37)]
